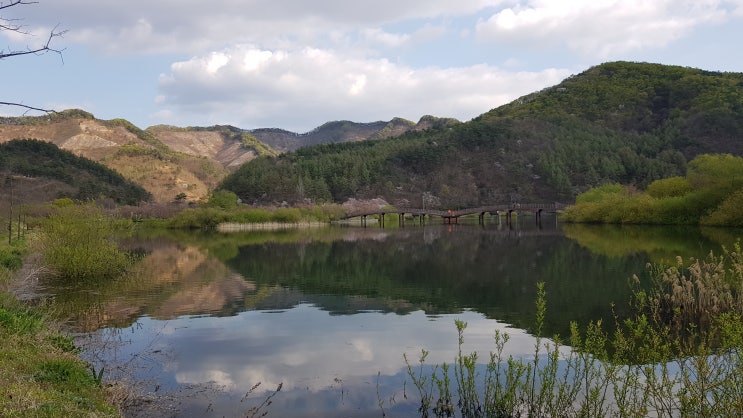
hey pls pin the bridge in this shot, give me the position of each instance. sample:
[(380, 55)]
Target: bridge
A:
[(452, 216)]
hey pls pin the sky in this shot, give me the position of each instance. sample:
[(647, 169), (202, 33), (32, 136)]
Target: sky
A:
[(296, 64)]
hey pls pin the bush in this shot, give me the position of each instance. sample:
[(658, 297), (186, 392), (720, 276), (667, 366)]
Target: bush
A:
[(223, 199), (728, 213), (78, 243), (287, 215), (251, 216), (670, 187), (600, 193), (11, 258), (196, 218)]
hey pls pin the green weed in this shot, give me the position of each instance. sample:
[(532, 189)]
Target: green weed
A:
[(78, 243), (679, 353)]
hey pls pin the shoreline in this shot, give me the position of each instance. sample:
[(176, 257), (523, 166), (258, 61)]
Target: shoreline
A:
[(267, 226)]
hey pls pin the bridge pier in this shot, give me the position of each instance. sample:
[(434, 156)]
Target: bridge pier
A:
[(452, 217)]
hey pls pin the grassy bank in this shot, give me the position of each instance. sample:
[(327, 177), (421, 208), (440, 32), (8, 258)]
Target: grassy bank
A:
[(40, 373)]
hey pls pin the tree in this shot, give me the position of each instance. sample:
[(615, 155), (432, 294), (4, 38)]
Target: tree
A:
[(224, 199), (14, 25)]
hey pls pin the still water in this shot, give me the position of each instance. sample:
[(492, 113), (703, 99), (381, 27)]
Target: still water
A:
[(326, 314)]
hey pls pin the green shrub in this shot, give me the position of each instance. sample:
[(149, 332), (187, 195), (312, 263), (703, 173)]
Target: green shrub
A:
[(326, 213), (715, 171), (20, 322), (251, 216), (728, 213), (670, 187), (195, 218), (11, 258), (223, 199), (63, 202), (287, 215), (78, 243), (600, 193)]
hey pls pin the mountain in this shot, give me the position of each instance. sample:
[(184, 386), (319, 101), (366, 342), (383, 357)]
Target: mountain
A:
[(42, 172), (345, 131), (168, 162), (623, 122), (172, 162)]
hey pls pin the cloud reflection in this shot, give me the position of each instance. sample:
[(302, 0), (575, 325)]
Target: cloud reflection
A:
[(335, 358)]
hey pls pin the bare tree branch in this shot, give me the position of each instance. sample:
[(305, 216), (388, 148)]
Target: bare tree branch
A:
[(13, 26), (27, 107), (15, 3), (55, 33), (8, 23)]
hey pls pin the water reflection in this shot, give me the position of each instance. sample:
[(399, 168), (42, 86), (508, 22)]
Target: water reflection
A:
[(329, 312), (328, 365)]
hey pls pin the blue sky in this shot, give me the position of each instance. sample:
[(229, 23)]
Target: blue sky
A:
[(296, 64)]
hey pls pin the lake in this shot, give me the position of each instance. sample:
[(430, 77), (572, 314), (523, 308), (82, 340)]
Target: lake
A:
[(212, 324)]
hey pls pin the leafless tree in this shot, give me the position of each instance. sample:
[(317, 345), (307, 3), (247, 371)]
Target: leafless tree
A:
[(15, 25)]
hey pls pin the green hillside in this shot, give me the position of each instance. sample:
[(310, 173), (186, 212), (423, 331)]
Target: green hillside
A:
[(346, 131), (25, 161), (622, 122)]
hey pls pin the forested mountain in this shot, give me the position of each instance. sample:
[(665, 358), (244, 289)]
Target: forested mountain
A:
[(36, 171), (172, 162), (345, 131), (623, 122)]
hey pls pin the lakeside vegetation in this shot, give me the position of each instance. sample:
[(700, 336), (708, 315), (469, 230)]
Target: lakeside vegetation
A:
[(223, 207), (40, 373), (678, 354), (652, 340), (710, 193)]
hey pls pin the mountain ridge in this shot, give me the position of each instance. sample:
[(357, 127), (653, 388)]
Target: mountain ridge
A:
[(622, 122), (184, 163)]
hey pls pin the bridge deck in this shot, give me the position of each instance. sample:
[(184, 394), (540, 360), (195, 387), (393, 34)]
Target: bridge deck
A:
[(514, 207)]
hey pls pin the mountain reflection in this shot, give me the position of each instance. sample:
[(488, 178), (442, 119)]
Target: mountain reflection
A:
[(436, 269)]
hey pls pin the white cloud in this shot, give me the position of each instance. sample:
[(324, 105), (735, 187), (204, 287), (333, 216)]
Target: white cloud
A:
[(602, 28), (304, 88), (137, 26), (388, 39), (296, 64)]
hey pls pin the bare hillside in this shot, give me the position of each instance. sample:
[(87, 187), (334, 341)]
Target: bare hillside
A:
[(162, 170), (211, 143)]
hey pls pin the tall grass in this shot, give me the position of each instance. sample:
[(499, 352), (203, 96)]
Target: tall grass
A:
[(40, 375), (679, 354), (77, 242), (210, 217)]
